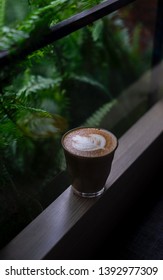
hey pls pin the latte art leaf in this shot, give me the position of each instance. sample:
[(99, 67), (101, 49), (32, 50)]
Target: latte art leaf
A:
[(91, 142)]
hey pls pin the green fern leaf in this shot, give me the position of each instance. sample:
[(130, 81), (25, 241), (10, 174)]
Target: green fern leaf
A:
[(92, 82), (37, 123), (96, 118), (2, 13), (36, 84), (97, 30), (11, 37)]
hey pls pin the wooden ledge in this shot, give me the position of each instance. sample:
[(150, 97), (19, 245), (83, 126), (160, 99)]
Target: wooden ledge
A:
[(72, 227)]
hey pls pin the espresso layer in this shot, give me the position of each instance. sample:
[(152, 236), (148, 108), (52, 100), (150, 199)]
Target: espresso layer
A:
[(89, 142)]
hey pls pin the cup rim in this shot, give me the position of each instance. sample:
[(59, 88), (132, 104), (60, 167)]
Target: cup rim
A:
[(82, 127)]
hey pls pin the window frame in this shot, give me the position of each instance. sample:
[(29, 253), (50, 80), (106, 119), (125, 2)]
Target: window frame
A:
[(63, 29)]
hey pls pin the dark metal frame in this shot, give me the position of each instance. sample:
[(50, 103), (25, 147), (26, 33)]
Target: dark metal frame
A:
[(80, 20), (158, 39), (65, 28), (157, 49)]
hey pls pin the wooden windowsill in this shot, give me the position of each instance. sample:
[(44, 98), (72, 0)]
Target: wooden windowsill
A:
[(71, 226)]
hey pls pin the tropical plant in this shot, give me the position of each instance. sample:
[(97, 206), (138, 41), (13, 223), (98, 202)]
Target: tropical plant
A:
[(46, 91)]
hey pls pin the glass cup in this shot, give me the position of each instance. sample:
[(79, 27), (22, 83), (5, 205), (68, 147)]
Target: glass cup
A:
[(89, 153)]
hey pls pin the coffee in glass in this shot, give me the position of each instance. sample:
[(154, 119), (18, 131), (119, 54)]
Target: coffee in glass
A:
[(89, 153)]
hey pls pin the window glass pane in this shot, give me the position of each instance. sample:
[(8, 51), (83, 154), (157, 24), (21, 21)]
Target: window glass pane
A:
[(97, 76)]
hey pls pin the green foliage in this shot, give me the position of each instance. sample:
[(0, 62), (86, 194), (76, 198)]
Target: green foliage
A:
[(11, 37), (96, 119), (74, 81), (47, 94), (2, 13), (37, 23)]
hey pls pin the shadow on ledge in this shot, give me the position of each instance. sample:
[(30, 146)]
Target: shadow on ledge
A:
[(139, 236)]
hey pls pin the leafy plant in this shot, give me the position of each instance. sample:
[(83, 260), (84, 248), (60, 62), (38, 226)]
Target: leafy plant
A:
[(2, 13), (71, 82)]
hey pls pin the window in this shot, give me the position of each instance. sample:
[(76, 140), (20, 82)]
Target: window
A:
[(98, 75)]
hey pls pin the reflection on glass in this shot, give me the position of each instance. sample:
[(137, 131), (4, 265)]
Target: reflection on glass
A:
[(91, 77)]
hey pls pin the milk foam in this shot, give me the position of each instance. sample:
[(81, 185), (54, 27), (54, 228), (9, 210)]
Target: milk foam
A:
[(91, 142)]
